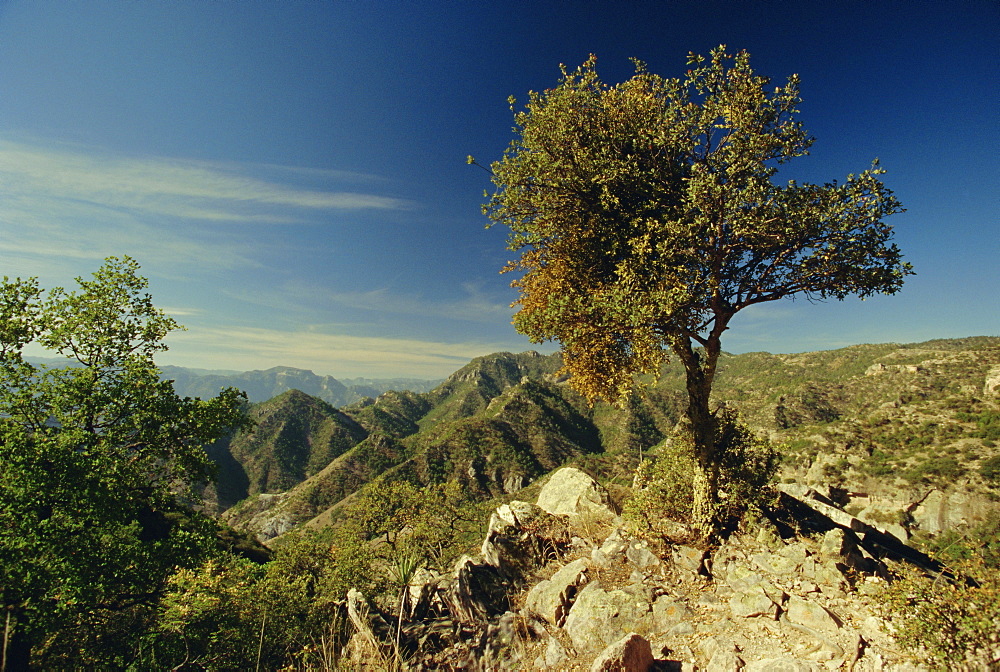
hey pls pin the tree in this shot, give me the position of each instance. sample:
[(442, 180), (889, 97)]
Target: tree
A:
[(96, 463), (646, 218)]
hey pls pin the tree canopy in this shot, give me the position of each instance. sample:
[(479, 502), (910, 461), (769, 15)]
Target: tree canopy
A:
[(97, 459), (646, 216)]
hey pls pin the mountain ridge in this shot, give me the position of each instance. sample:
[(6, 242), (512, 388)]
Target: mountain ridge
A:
[(504, 420)]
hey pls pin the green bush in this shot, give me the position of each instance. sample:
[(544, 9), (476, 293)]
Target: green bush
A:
[(954, 623), (989, 469), (664, 494), (953, 618), (936, 468), (232, 614)]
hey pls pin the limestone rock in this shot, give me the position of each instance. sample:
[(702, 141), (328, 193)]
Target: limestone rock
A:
[(369, 623), (939, 511), (551, 599), (724, 661), (600, 617), (992, 385), (753, 602), (522, 536), (667, 613), (554, 655), (689, 558), (811, 615), (631, 653), (782, 665), (571, 492), (640, 556), (475, 593)]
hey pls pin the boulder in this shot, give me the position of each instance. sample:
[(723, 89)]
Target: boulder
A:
[(551, 599), (570, 492), (474, 592), (752, 602), (631, 653), (601, 617), (521, 537), (939, 512), (811, 615), (667, 613)]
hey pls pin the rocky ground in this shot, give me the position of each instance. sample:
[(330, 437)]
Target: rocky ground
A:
[(561, 585)]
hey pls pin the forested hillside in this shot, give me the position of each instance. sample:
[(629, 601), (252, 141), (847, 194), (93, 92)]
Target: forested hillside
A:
[(893, 419)]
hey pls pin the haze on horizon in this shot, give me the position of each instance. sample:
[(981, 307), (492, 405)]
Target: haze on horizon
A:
[(292, 177)]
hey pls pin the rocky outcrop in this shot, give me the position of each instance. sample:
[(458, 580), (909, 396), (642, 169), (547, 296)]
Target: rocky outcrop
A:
[(631, 653), (570, 492), (768, 599)]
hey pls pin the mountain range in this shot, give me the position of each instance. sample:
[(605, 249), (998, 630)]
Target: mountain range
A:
[(269, 383), (894, 421)]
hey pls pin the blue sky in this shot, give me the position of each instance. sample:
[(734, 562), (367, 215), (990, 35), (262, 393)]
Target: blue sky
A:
[(291, 174)]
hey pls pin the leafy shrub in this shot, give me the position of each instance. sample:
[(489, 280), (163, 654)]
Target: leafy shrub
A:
[(878, 464), (936, 468), (664, 491), (230, 613), (954, 618), (989, 469), (956, 623)]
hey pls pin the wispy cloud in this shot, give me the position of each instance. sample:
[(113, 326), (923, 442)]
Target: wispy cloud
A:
[(472, 303), (82, 203), (171, 187), (324, 353)]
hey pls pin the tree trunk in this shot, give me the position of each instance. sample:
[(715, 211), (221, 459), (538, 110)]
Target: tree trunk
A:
[(16, 648), (699, 370)]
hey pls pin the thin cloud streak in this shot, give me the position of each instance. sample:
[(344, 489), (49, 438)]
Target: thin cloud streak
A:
[(475, 306), (55, 229), (175, 188)]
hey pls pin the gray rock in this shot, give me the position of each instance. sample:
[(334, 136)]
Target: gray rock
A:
[(668, 613), (939, 511), (776, 563), (682, 628), (640, 556), (834, 543), (571, 492), (724, 661), (716, 644), (614, 546), (811, 615), (599, 617), (522, 536), (689, 558), (551, 599), (991, 387), (753, 602), (554, 655), (631, 653), (740, 578), (782, 665)]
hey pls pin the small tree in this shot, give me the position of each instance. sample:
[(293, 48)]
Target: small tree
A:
[(646, 218), (96, 461)]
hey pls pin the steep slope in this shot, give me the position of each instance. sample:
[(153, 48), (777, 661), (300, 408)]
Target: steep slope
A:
[(294, 436), (522, 434), (471, 388), (905, 423)]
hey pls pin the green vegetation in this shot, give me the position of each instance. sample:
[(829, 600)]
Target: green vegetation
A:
[(97, 462), (954, 616), (105, 565), (663, 495), (646, 218)]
